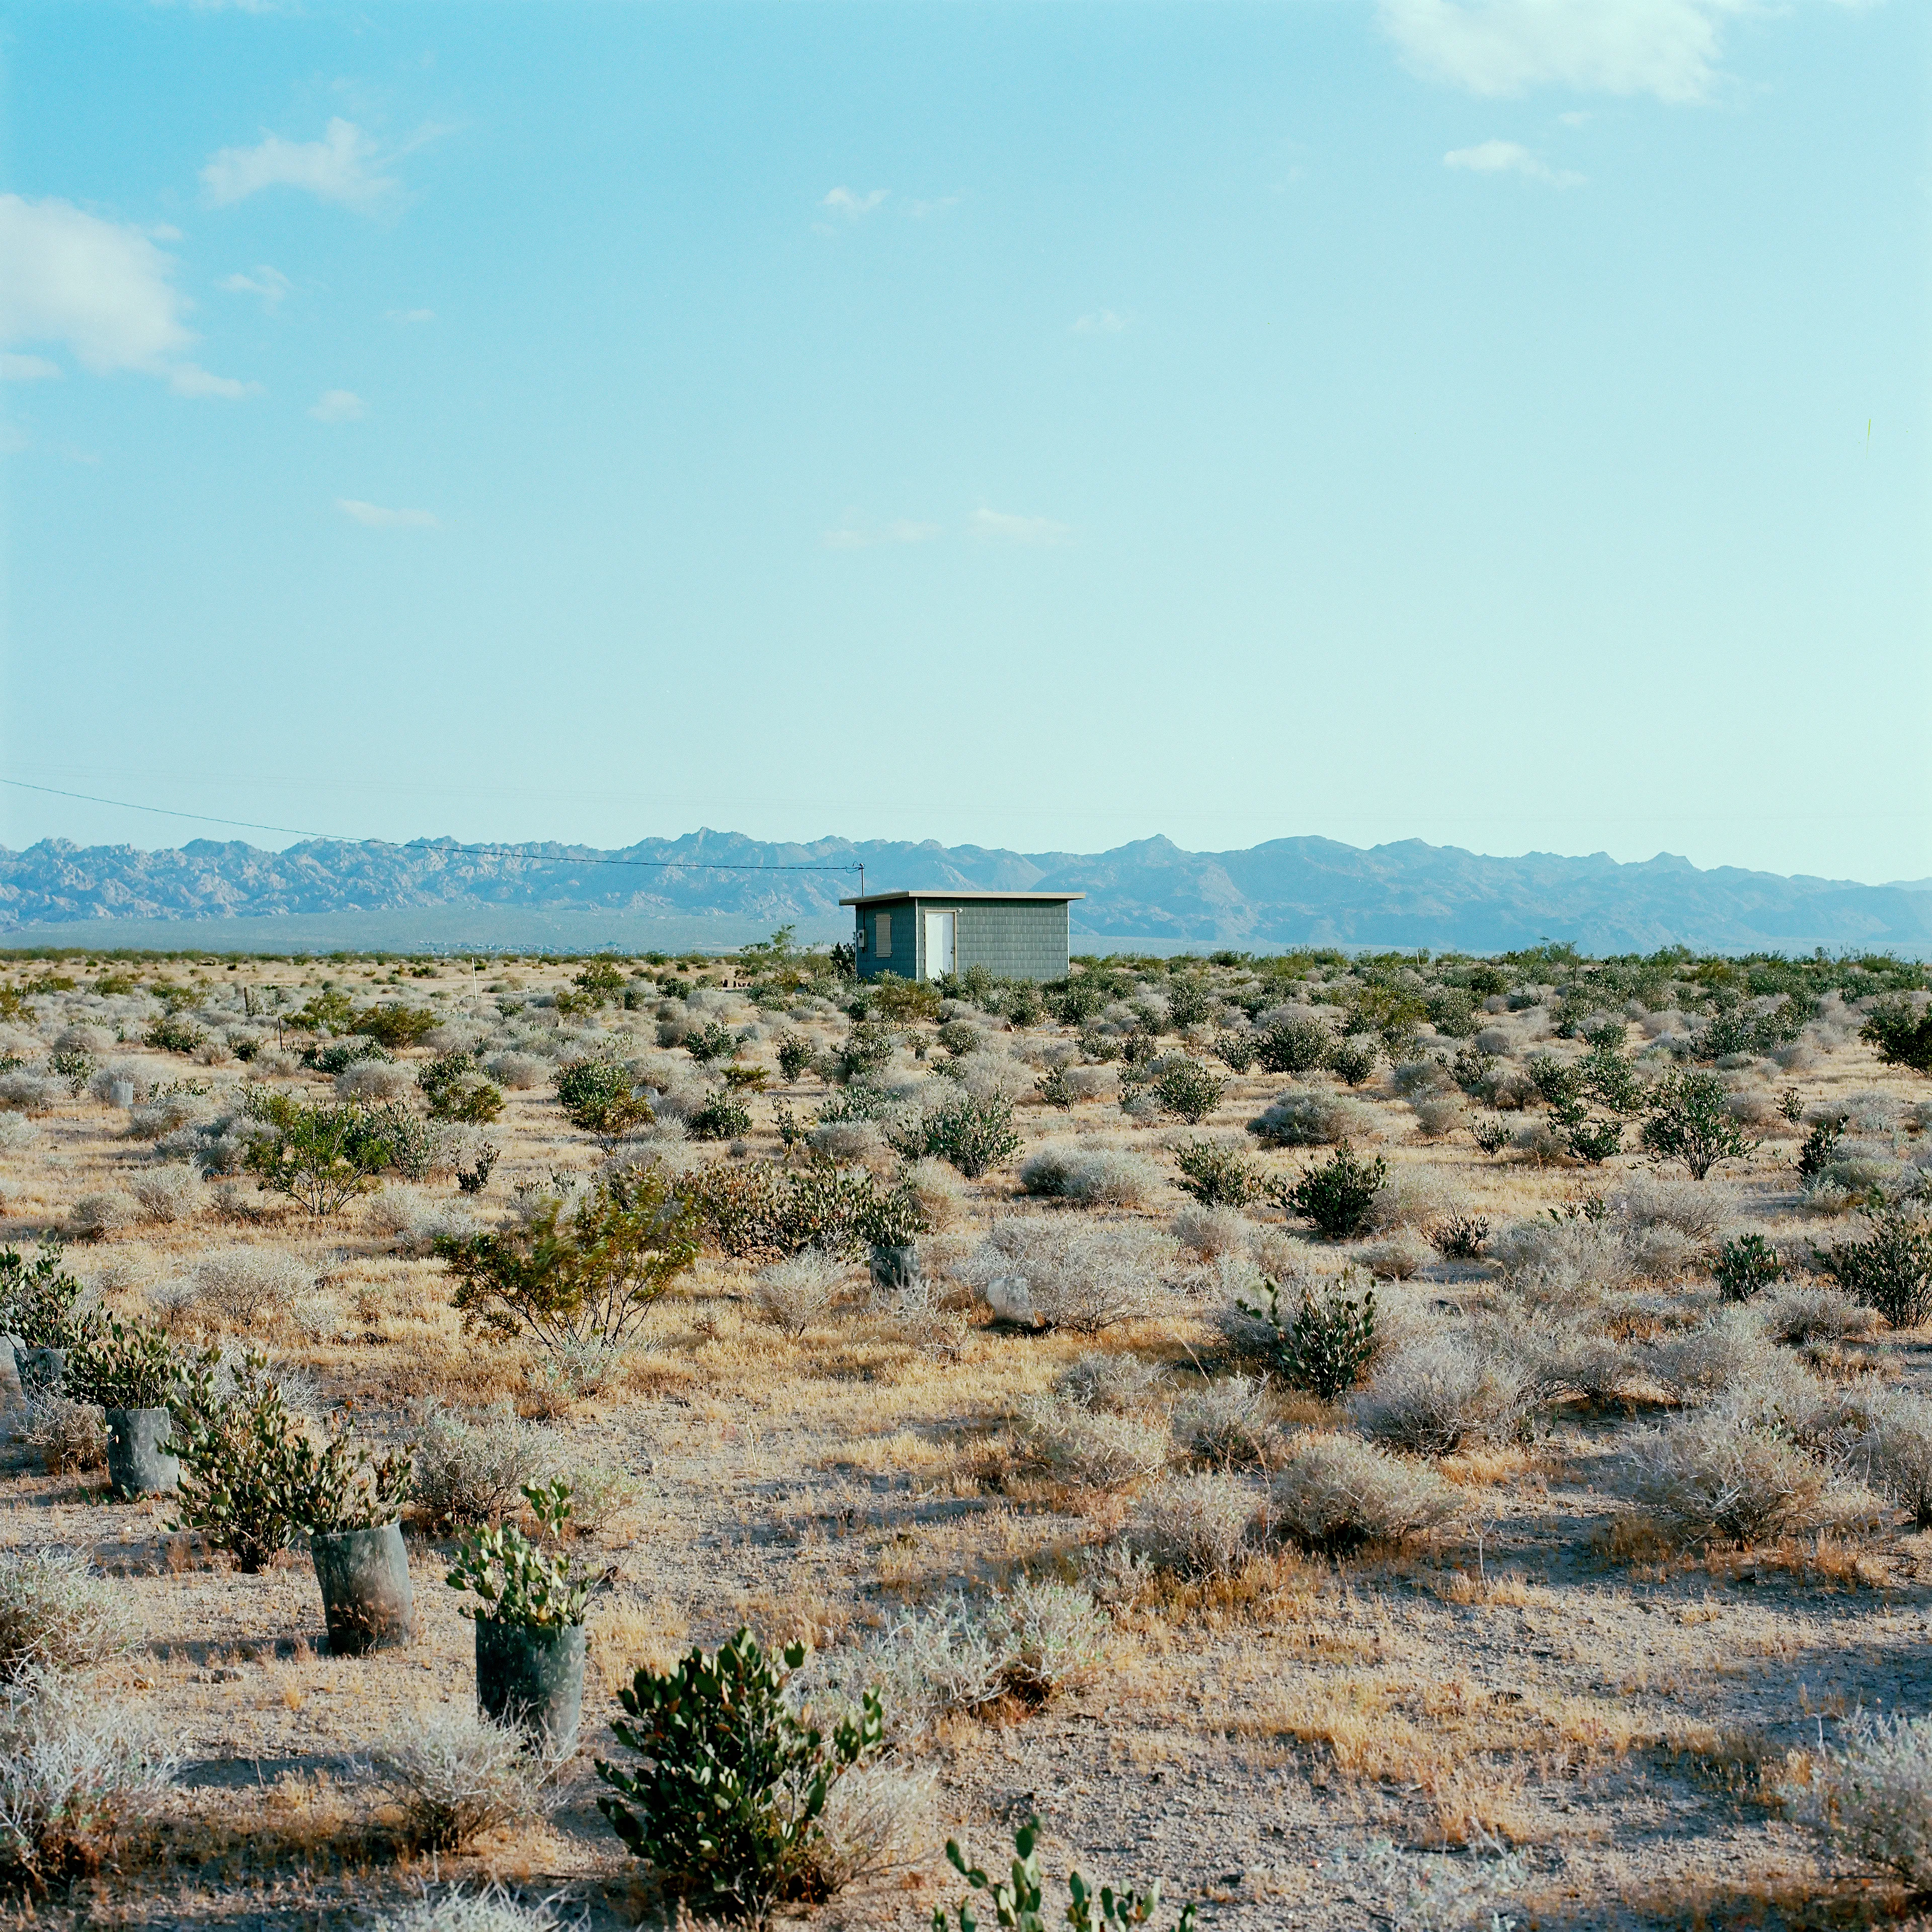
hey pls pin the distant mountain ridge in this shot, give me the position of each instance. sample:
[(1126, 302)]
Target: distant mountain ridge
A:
[(1286, 891)]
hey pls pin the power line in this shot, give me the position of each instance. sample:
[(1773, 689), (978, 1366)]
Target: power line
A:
[(480, 851)]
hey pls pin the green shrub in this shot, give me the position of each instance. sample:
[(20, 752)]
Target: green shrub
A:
[(1557, 1081), (714, 1040), (1690, 1120), (455, 1090), (1493, 1136), (1236, 1051), (905, 1001), (758, 1207), (1730, 1030), (1745, 1265), (473, 1176), (1188, 1001), (118, 1367), (865, 1051), (1021, 1003), (1098, 1048), (1904, 1038), (1452, 1012), (725, 1806), (1019, 1899), (342, 1054), (1337, 1196), (171, 1033), (724, 1117), (572, 1279), (319, 1154), (39, 1300), (1590, 1141), (1055, 1089), (1217, 1176), (1891, 1270), (1821, 1145), (396, 1026), (416, 1146), (1459, 1237), (1610, 1078), (514, 1581), (795, 1055), (1188, 1088), (76, 1068), (599, 976), (976, 1135), (600, 1097), (1352, 1059), (1293, 1046), (1323, 1343), (1077, 1002), (251, 1479)]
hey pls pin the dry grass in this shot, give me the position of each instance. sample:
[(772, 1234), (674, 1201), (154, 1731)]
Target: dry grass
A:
[(1542, 1666)]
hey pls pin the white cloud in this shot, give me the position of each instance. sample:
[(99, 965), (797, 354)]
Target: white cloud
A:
[(271, 284), (406, 315), (372, 516), (854, 535), (334, 406), (1508, 157), (1037, 531), (1667, 48), (843, 201), (1102, 322), (919, 210), (101, 287), (28, 369), (341, 167)]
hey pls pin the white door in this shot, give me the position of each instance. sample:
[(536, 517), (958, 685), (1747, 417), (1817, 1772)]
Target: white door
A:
[(938, 943)]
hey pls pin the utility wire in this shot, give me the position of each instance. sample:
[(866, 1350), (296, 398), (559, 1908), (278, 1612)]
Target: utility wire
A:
[(484, 851)]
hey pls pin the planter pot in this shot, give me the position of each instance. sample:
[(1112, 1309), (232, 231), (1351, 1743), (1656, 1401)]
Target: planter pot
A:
[(895, 1267), (43, 1369), (138, 1463), (367, 1599), (531, 1674)]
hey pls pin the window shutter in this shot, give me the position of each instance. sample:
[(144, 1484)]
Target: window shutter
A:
[(882, 941)]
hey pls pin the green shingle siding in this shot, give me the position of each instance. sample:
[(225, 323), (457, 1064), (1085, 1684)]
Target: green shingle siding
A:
[(1020, 939)]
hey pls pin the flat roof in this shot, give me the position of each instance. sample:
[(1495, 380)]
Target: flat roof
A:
[(945, 893)]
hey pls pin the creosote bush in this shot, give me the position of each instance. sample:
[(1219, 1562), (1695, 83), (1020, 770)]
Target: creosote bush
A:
[(1217, 1175), (573, 1273)]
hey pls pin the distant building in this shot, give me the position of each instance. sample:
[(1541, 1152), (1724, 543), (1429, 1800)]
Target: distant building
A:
[(924, 935)]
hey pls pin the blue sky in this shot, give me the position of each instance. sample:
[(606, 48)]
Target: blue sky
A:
[(1499, 422)]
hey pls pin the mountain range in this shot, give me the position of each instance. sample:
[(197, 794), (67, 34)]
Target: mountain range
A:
[(1286, 892)]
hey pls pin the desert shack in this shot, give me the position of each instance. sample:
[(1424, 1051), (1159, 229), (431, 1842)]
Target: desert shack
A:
[(922, 935)]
